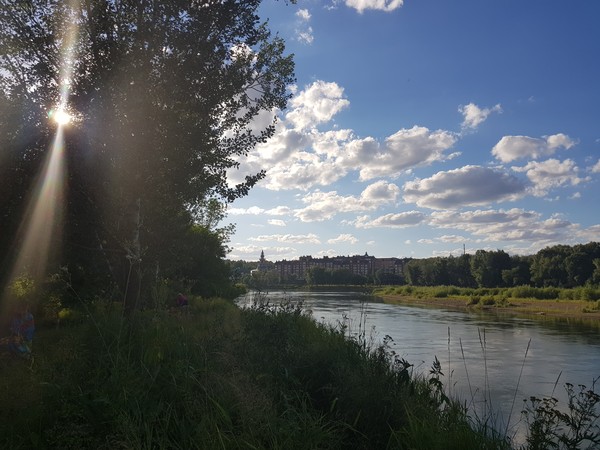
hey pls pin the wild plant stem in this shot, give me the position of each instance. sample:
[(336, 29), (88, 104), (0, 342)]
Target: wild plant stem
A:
[(517, 387), (466, 371)]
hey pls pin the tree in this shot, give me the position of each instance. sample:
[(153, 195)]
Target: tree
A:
[(166, 96), (487, 267), (317, 275), (548, 266), (519, 274)]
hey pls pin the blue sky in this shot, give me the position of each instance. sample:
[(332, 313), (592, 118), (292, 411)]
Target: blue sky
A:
[(418, 127)]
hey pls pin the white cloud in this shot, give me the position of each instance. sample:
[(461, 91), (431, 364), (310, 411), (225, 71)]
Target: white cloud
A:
[(288, 238), (508, 225), (453, 238), (395, 220), (303, 171), (343, 238), (306, 35), (475, 116), (467, 186), (300, 156), (276, 222), (304, 32), (379, 192), (596, 167), (325, 205), (510, 148), (252, 252), (252, 211), (381, 5), (303, 14), (279, 211), (316, 104), (550, 174), (404, 150)]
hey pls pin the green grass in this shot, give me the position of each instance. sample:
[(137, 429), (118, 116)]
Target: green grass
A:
[(589, 293), (268, 377)]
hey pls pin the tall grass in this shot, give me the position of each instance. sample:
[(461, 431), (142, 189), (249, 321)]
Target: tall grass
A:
[(266, 377)]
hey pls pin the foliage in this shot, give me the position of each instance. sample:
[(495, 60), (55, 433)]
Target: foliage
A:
[(320, 276), (552, 427), (552, 267), (165, 97)]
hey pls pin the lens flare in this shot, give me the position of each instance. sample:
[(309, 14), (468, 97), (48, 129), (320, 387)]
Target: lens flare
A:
[(40, 233)]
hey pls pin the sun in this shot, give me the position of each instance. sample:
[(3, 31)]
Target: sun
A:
[(60, 116)]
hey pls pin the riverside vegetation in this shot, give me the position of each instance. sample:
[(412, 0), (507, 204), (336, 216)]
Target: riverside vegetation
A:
[(581, 301), (267, 376)]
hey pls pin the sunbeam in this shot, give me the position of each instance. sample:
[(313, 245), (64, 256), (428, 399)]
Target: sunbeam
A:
[(40, 233), (43, 220)]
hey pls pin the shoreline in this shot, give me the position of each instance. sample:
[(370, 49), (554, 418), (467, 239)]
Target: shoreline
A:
[(565, 309)]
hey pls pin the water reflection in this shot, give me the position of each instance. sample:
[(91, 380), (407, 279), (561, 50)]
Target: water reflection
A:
[(491, 360)]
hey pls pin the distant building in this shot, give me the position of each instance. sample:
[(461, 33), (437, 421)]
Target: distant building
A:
[(364, 265), (262, 266)]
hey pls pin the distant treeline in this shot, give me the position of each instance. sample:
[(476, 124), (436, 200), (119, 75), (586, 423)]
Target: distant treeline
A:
[(557, 266), (560, 266)]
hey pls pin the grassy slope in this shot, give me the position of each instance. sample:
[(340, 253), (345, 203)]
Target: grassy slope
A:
[(220, 377)]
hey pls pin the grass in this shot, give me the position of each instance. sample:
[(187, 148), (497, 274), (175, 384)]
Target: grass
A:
[(221, 377), (581, 302), (266, 377), (588, 293)]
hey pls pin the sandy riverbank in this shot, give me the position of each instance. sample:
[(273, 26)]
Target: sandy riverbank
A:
[(577, 309)]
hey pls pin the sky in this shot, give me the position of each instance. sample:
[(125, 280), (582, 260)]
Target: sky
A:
[(422, 128)]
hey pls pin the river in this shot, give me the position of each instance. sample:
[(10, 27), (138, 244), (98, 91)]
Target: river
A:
[(491, 361)]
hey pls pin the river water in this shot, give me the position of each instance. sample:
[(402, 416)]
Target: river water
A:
[(491, 361)]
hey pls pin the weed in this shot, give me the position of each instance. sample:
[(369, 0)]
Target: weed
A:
[(577, 428)]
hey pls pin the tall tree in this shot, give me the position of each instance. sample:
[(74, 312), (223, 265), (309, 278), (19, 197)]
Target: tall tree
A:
[(487, 267), (165, 95)]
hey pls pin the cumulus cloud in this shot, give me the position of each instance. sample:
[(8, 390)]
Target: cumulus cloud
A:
[(550, 174), (381, 5), (325, 205), (343, 238), (404, 150), (394, 220), (475, 116), (596, 167), (317, 104), (302, 156), (467, 186), (303, 171), (507, 225), (511, 148), (288, 238)]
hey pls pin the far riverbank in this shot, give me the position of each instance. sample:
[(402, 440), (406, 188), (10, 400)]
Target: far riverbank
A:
[(576, 309)]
